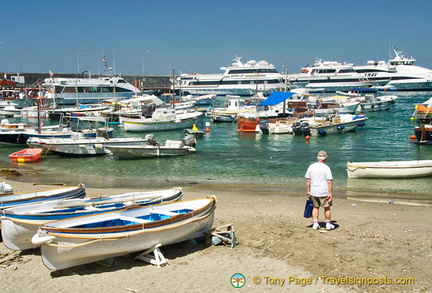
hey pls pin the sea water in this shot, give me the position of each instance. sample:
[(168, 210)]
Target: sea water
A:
[(225, 156)]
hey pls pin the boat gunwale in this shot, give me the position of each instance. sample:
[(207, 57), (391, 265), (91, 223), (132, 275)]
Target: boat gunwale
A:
[(118, 231)]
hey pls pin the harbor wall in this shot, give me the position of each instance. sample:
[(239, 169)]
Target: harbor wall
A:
[(161, 83)]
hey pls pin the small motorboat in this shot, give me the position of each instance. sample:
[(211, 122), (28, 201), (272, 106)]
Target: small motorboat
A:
[(153, 149), (26, 155), (390, 169)]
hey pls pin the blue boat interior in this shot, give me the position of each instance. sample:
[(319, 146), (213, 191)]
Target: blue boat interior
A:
[(124, 221)]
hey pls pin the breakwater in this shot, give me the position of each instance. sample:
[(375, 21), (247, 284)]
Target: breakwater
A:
[(160, 83)]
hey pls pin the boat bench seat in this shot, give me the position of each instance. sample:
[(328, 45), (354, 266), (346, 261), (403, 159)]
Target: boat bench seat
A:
[(173, 143), (161, 212), (135, 220)]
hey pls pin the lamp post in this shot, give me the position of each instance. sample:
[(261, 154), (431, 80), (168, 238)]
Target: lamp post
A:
[(78, 59), (142, 61)]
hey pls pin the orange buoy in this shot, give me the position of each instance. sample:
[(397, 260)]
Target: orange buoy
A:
[(412, 136), (307, 137)]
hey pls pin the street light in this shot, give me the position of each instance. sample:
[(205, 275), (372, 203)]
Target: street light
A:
[(143, 61), (78, 59)]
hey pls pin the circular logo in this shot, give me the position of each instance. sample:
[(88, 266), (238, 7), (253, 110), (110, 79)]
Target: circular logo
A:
[(238, 280)]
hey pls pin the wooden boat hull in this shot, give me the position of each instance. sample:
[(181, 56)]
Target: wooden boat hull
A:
[(74, 242), (19, 199), (19, 224), (423, 134), (390, 169)]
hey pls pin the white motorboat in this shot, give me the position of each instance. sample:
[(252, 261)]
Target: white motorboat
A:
[(240, 78), (80, 240), (78, 145), (331, 124), (19, 224), (390, 169), (153, 149), (162, 119)]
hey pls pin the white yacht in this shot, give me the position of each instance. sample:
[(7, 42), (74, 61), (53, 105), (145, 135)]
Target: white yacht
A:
[(244, 79), (328, 76), (398, 74), (87, 90)]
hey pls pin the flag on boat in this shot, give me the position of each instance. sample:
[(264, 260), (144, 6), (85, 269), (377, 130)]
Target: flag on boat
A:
[(50, 73), (103, 59)]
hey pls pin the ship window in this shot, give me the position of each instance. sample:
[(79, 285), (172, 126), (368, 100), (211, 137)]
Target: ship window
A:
[(93, 89), (121, 81), (348, 70)]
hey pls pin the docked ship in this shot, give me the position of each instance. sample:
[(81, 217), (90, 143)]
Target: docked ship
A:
[(329, 77), (88, 90), (398, 74), (243, 79)]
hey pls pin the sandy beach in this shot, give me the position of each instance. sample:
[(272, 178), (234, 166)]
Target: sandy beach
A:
[(376, 247)]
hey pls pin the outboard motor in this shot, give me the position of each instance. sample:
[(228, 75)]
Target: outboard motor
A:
[(264, 126), (190, 140), (305, 129), (296, 128), (150, 139)]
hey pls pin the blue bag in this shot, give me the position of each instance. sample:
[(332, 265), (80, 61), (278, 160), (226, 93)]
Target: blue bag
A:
[(308, 209)]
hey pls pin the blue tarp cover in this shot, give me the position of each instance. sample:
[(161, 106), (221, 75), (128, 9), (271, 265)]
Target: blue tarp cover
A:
[(276, 98)]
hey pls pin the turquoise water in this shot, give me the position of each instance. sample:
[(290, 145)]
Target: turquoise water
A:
[(228, 157)]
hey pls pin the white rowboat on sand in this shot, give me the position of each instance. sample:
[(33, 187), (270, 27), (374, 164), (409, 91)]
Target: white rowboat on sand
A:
[(80, 240), (390, 169)]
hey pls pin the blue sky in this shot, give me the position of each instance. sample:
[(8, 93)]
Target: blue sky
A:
[(201, 36)]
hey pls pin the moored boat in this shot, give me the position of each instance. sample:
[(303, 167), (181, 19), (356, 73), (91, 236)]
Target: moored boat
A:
[(153, 149), (162, 119), (240, 78), (390, 169), (322, 126), (80, 240), (19, 224)]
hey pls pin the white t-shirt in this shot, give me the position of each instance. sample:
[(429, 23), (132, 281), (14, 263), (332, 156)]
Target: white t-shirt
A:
[(319, 173)]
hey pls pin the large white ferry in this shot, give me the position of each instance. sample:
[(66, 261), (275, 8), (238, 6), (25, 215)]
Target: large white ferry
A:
[(329, 76), (82, 90), (240, 78), (399, 74)]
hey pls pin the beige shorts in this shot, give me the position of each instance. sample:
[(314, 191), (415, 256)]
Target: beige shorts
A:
[(321, 202)]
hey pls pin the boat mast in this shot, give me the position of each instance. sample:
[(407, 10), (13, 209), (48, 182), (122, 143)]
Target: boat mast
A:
[(173, 91)]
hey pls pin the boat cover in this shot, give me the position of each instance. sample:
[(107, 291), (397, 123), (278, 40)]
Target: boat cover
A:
[(276, 98)]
